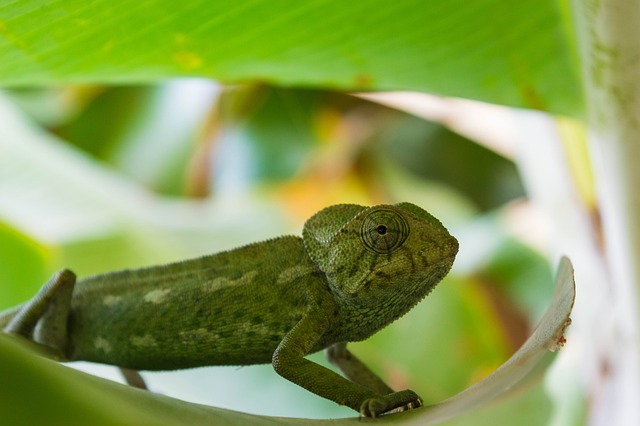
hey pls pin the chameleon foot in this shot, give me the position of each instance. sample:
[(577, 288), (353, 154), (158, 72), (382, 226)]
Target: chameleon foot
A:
[(397, 401)]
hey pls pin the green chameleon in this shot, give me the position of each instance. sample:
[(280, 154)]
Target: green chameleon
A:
[(355, 270)]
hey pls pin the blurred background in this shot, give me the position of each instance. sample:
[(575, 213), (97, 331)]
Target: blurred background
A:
[(96, 178)]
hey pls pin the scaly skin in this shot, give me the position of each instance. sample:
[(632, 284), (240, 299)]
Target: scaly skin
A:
[(355, 270)]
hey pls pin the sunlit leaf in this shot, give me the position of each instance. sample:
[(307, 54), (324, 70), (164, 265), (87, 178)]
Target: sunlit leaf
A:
[(516, 55)]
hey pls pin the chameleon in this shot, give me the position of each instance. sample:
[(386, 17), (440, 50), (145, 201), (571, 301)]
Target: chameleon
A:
[(355, 270)]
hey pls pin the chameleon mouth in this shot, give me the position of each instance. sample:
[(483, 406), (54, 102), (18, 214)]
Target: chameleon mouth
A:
[(439, 270)]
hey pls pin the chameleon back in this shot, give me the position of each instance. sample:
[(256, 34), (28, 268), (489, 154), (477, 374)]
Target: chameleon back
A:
[(231, 308)]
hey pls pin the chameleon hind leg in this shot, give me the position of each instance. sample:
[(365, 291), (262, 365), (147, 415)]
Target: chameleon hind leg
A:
[(43, 319), (356, 371), (133, 378)]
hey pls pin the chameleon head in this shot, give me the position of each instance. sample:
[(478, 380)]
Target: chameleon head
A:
[(380, 255)]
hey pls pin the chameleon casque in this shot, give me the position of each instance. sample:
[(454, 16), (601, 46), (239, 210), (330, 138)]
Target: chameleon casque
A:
[(355, 270)]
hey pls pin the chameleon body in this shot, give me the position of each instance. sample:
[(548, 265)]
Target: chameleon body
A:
[(354, 271)]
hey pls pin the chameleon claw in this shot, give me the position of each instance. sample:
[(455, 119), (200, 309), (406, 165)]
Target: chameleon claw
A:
[(393, 403)]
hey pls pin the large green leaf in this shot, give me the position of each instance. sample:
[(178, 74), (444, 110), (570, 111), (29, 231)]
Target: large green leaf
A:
[(28, 378), (515, 54)]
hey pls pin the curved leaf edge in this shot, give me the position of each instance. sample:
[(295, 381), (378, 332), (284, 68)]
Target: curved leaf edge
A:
[(32, 380), (524, 366)]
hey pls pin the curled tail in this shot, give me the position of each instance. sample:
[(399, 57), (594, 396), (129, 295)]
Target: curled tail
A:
[(43, 319), (7, 315)]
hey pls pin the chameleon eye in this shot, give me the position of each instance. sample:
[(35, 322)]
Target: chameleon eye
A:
[(383, 231)]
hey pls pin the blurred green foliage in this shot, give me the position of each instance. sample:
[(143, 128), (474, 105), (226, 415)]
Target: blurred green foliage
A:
[(295, 141), (23, 266), (434, 152)]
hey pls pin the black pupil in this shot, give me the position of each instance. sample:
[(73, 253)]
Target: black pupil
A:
[(382, 229)]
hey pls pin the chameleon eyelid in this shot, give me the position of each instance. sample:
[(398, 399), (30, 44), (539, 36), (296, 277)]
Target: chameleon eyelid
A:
[(383, 231)]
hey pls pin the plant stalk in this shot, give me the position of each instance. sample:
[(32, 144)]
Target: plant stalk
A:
[(609, 46)]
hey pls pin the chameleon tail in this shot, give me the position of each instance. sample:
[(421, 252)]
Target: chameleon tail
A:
[(7, 315)]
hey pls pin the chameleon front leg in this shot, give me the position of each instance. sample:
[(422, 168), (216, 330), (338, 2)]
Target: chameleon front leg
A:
[(43, 319), (289, 362), (356, 371)]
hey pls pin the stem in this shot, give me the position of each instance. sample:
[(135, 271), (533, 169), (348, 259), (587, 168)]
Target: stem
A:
[(608, 40)]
